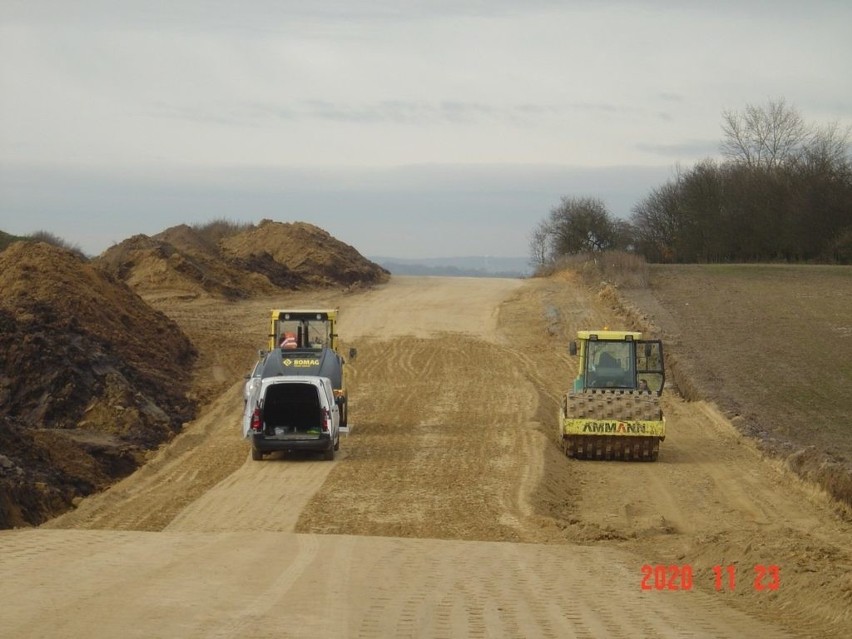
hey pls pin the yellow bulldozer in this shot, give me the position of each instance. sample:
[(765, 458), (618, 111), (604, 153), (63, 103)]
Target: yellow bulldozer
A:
[(613, 410)]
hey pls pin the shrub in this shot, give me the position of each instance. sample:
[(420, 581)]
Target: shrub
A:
[(220, 228), (49, 238), (623, 269)]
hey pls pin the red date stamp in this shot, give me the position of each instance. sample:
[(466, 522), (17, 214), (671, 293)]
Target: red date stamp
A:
[(764, 578), (661, 577)]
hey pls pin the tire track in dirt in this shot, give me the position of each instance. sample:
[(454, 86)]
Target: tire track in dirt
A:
[(260, 603), (452, 450), (424, 307), (282, 486), (278, 584), (489, 589), (709, 498), (443, 460)]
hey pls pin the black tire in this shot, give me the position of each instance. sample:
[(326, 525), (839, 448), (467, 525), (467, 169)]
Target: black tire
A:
[(337, 442), (256, 455), (328, 454)]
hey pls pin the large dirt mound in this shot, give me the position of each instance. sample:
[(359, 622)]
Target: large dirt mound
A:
[(308, 251), (91, 378), (252, 261)]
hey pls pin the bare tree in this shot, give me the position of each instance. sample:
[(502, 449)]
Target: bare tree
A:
[(656, 220), (764, 137), (540, 244), (785, 193), (581, 224), (49, 238), (827, 149)]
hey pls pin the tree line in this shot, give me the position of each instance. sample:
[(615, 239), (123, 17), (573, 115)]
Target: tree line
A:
[(782, 192)]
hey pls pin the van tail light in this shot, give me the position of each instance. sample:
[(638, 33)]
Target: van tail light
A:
[(326, 420), (256, 422)]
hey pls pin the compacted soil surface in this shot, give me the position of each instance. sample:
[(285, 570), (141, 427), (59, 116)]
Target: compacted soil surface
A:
[(449, 510)]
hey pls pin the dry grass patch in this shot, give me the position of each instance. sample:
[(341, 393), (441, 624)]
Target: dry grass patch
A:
[(771, 345), (624, 270)]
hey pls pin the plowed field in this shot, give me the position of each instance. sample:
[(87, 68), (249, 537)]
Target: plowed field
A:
[(449, 510)]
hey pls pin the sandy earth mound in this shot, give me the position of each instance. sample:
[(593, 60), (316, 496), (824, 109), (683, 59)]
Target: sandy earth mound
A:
[(306, 250), (91, 378), (259, 260)]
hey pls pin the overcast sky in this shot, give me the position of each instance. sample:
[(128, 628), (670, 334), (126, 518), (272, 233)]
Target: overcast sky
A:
[(405, 128)]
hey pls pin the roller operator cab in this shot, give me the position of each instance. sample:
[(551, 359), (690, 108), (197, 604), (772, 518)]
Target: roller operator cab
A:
[(613, 409), (303, 329)]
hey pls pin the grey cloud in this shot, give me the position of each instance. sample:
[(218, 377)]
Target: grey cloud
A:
[(279, 15), (690, 150), (258, 12), (668, 96), (452, 111), (394, 111), (382, 112), (387, 112), (260, 16)]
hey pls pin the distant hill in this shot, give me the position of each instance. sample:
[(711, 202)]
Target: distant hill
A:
[(472, 266)]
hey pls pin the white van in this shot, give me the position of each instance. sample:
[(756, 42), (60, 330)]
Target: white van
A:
[(292, 413)]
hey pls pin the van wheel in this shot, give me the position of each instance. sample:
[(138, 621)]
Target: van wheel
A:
[(256, 455), (337, 443), (328, 454)]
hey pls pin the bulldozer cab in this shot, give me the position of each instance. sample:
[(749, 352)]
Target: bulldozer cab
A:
[(619, 360), (303, 329)]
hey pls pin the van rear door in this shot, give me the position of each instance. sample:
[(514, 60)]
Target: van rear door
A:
[(333, 409)]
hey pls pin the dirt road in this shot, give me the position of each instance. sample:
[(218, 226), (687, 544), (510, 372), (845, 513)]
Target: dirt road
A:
[(449, 512)]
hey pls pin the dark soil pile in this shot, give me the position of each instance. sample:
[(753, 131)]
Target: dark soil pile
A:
[(253, 261), (91, 378)]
